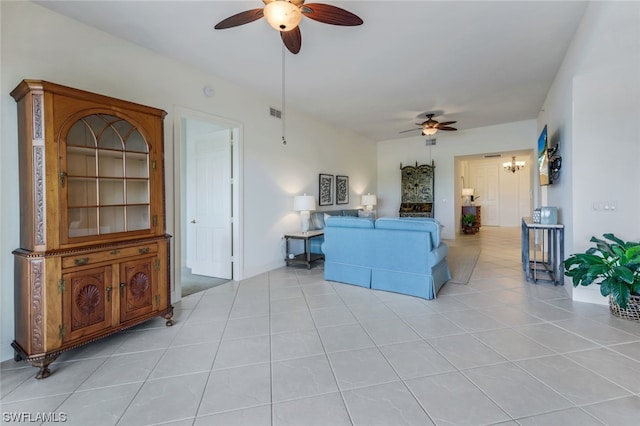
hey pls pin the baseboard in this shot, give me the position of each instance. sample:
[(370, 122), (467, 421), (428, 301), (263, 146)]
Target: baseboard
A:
[(589, 295), (252, 272)]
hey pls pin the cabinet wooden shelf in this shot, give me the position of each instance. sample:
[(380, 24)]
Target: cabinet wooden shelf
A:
[(94, 255)]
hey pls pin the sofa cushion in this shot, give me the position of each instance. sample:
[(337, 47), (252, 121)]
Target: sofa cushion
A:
[(350, 212), (413, 224), (316, 221)]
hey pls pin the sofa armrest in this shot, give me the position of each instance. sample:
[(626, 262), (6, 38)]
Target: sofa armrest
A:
[(438, 254)]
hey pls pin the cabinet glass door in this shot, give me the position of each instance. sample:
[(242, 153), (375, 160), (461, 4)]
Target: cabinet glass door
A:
[(107, 177)]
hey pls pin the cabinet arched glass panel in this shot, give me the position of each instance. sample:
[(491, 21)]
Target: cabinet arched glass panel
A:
[(107, 177)]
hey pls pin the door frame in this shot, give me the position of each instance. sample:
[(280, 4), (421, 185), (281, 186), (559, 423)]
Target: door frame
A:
[(179, 180), (461, 169)]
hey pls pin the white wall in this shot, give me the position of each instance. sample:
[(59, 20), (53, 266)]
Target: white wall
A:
[(593, 111), (39, 44), (509, 137)]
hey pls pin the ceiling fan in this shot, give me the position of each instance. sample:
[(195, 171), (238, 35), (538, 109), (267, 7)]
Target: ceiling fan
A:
[(430, 126), (285, 15)]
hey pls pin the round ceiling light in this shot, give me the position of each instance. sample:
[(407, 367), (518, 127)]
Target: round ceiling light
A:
[(282, 15)]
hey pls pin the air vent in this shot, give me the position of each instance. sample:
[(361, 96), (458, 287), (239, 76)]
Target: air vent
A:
[(275, 112), (493, 156)]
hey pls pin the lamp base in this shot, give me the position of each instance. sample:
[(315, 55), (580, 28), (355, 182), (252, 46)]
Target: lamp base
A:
[(305, 217)]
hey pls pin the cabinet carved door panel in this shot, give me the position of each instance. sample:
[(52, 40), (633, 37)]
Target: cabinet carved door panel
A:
[(86, 302), (137, 288), (417, 191)]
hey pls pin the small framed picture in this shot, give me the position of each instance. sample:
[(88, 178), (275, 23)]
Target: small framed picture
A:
[(342, 189), (325, 190)]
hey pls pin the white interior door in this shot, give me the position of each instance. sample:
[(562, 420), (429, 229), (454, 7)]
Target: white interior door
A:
[(484, 178), (515, 195), (209, 201)]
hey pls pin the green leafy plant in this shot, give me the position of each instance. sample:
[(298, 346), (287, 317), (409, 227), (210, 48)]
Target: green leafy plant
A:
[(613, 264), (468, 220)]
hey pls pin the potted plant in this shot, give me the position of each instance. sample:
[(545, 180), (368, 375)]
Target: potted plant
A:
[(468, 223), (614, 265)]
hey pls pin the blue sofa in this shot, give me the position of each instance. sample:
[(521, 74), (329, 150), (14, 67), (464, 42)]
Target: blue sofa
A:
[(393, 254)]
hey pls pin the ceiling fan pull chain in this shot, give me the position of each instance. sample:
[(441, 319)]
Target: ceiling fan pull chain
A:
[(284, 112)]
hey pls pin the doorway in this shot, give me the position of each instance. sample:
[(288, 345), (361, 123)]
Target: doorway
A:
[(505, 197), (207, 187)]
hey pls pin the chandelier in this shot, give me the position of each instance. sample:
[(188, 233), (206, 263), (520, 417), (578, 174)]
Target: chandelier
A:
[(513, 166)]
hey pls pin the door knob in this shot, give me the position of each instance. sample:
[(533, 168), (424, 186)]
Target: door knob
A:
[(193, 221)]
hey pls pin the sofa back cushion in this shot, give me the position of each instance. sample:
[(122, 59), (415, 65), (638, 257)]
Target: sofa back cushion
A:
[(415, 224), (347, 241), (317, 218), (349, 222), (350, 212)]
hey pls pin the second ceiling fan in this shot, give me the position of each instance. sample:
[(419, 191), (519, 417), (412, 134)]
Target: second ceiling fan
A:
[(285, 15), (430, 127)]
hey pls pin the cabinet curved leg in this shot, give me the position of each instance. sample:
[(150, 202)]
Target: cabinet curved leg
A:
[(43, 365), (169, 317)]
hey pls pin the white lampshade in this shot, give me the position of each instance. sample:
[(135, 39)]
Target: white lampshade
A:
[(282, 15), (429, 131), (304, 203), (467, 192), (369, 200)]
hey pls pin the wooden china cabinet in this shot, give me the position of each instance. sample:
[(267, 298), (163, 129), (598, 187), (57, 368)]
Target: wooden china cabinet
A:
[(417, 190), (94, 255)]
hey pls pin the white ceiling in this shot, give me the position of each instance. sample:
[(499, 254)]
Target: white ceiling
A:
[(479, 63)]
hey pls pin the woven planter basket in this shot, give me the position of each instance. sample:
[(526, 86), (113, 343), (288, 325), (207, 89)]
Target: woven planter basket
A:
[(632, 312)]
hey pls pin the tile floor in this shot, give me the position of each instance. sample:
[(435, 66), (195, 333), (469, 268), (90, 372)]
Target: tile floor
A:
[(192, 283), (288, 348)]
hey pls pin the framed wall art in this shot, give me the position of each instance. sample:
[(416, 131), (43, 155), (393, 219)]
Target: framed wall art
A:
[(342, 189), (325, 190)]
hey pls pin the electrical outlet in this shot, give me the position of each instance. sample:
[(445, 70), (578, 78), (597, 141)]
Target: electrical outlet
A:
[(605, 206)]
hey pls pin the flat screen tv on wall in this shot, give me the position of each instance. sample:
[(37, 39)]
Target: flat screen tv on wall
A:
[(543, 158)]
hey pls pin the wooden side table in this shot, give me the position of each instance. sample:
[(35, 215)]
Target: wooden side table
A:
[(476, 212), (306, 258)]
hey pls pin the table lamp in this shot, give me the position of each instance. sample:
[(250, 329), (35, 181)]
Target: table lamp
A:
[(304, 204), (467, 193), (368, 201)]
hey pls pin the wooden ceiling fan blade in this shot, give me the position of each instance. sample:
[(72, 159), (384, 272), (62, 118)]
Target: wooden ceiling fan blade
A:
[(240, 19), (292, 39), (447, 128), (446, 123), (328, 14), (410, 130)]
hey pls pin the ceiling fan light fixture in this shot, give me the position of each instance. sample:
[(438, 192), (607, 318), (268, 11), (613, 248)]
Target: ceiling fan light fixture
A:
[(429, 131), (282, 15)]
